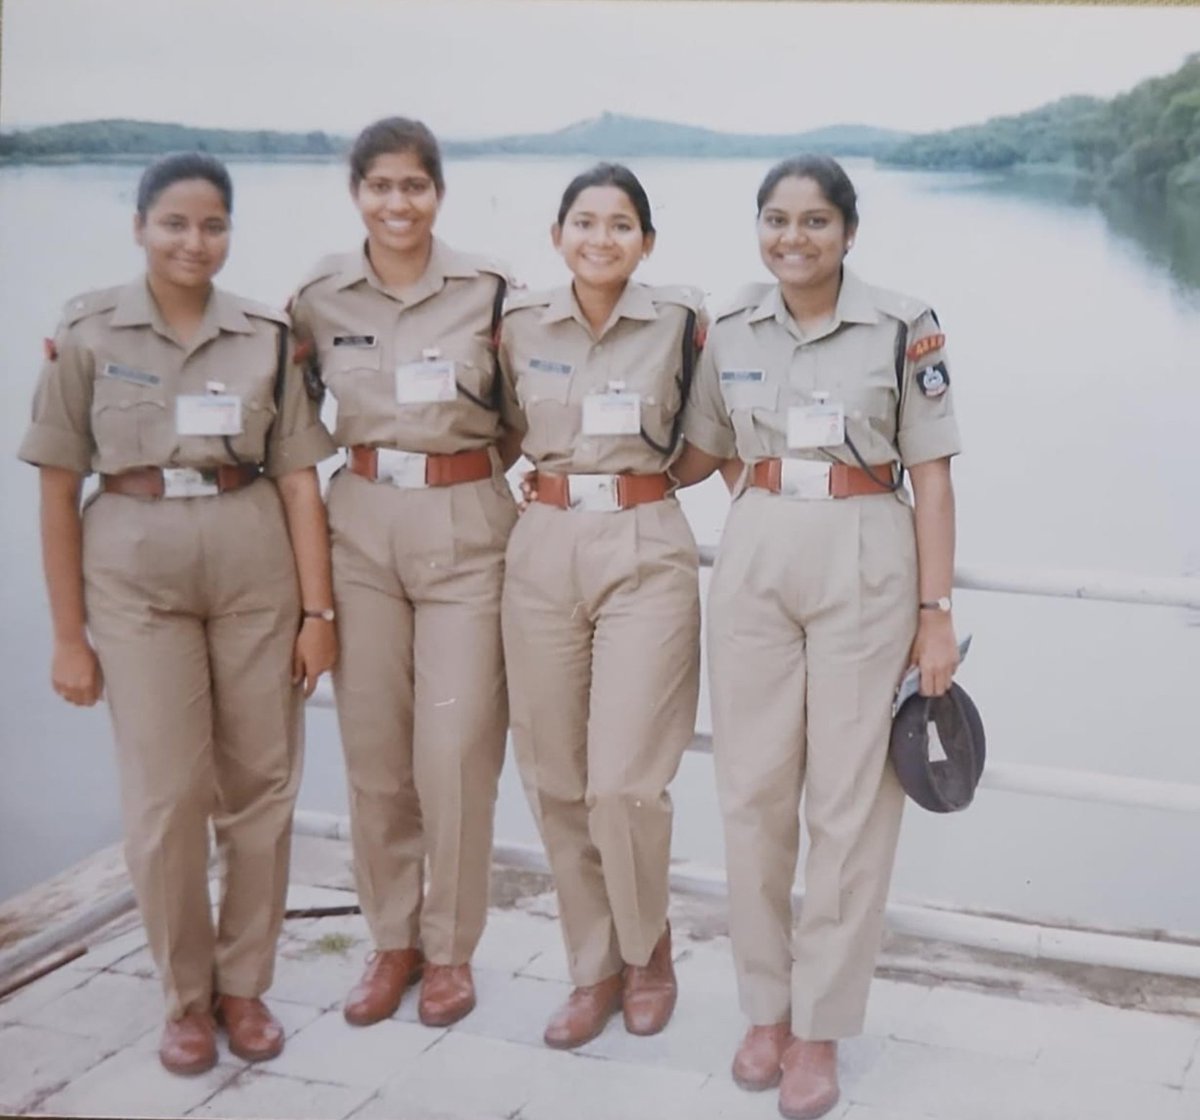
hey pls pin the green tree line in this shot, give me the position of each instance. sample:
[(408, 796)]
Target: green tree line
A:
[(112, 138), (1147, 139)]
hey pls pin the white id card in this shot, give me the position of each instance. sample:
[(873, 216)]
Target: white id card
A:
[(816, 425), (425, 382), (612, 414), (210, 414)]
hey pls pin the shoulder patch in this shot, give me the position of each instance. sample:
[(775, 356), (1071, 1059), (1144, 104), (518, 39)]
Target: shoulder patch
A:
[(90, 303), (750, 295), (926, 345), (680, 294), (517, 300)]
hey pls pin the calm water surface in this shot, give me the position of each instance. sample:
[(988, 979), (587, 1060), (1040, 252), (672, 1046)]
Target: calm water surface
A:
[(1074, 336)]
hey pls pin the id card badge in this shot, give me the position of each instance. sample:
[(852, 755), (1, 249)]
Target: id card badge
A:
[(428, 381), (210, 414), (816, 425), (612, 414)]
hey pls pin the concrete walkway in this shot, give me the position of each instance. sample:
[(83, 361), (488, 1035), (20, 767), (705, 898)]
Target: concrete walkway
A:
[(949, 1036)]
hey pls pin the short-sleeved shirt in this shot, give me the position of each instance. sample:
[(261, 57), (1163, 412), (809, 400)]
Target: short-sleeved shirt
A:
[(109, 389), (552, 361), (880, 350), (363, 332)]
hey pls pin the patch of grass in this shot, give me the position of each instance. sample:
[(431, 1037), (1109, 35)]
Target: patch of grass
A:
[(340, 943)]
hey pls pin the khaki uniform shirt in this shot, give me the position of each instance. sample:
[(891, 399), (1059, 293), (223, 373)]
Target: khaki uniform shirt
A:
[(106, 398), (552, 361), (361, 331), (757, 363)]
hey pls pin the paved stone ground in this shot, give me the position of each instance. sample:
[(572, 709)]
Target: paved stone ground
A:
[(949, 1036)]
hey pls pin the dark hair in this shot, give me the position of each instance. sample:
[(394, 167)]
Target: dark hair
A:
[(609, 175), (393, 135), (178, 167), (826, 172)]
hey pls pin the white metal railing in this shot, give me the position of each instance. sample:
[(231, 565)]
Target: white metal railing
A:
[(1049, 781)]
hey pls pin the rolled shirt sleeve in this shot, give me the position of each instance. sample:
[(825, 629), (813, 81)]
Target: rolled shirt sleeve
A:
[(60, 434), (928, 429)]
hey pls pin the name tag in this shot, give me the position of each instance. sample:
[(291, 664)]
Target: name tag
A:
[(543, 365), (816, 425), (358, 341), (612, 414), (127, 373), (425, 382), (742, 376), (213, 414)]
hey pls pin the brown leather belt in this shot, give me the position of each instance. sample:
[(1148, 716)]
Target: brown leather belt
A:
[(612, 491), (845, 481), (440, 470), (180, 482)]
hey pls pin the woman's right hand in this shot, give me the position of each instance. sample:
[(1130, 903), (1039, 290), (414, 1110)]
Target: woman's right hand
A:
[(75, 673), (528, 490)]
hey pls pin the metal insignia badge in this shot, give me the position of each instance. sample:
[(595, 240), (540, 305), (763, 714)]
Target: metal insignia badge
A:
[(933, 381)]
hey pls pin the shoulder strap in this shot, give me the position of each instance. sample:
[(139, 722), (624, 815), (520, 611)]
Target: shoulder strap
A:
[(276, 392), (686, 371), (492, 401)]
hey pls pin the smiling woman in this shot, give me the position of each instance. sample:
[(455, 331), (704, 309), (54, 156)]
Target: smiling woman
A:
[(401, 331), (183, 573)]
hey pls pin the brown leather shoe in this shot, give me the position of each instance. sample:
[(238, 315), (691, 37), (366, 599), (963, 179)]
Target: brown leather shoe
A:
[(447, 994), (810, 1084), (189, 1044), (756, 1065), (583, 1016), (377, 995), (650, 990), (255, 1035)]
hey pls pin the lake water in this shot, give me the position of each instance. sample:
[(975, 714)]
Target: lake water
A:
[(1075, 341)]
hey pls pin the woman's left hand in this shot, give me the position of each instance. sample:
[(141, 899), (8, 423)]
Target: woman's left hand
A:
[(935, 652), (315, 652)]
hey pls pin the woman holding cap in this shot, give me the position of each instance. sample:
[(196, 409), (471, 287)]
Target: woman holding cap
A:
[(828, 584), (401, 332), (181, 572), (601, 609)]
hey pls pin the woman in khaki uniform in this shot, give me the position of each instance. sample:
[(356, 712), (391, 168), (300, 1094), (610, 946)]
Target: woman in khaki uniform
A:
[(401, 332), (601, 609), (182, 397), (828, 584)]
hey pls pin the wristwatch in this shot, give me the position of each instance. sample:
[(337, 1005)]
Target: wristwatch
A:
[(328, 614), (942, 604)]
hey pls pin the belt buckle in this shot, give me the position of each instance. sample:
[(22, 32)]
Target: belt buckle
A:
[(594, 493), (804, 478), (405, 469), (188, 482)]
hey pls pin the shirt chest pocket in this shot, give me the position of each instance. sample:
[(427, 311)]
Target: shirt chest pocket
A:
[(543, 380), (744, 397), (131, 419), (354, 374)]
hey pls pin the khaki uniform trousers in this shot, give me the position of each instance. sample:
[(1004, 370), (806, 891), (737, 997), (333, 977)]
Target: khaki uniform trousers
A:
[(812, 613), (421, 701), (602, 640), (193, 607)]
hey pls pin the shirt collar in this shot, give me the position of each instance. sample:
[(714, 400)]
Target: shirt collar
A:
[(444, 264), (855, 304), (635, 302), (136, 308)]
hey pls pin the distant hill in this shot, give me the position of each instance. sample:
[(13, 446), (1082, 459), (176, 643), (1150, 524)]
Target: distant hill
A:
[(612, 135), (607, 135), (1145, 140)]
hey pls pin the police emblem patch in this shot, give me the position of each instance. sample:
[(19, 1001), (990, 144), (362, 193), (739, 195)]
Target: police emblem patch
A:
[(933, 381)]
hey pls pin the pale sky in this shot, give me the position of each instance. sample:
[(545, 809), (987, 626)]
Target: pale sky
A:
[(486, 67)]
